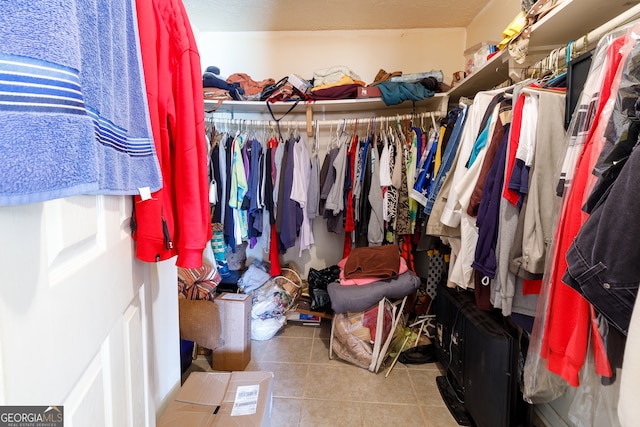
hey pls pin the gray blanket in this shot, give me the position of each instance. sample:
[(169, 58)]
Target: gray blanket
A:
[(360, 298)]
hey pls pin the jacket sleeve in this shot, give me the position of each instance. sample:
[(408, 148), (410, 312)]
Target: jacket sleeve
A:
[(192, 227)]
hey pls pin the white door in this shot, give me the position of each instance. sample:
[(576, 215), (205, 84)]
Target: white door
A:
[(76, 314)]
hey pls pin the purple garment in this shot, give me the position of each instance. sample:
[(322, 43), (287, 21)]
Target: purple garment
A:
[(291, 212), (485, 261), (255, 214), (229, 236), (519, 181)]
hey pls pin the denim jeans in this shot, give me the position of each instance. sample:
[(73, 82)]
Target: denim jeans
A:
[(447, 158), (602, 262)]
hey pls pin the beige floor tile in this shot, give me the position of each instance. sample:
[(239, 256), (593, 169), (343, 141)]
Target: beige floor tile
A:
[(288, 350), (438, 416), (396, 388), (383, 415), (289, 378), (324, 331), (258, 348), (312, 390), (322, 413), (320, 354), (338, 383), (424, 385), (296, 330), (286, 412)]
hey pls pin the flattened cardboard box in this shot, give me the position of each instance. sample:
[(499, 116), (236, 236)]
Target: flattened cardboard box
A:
[(224, 399)]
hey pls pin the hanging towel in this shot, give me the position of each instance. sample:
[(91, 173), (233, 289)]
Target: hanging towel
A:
[(73, 109)]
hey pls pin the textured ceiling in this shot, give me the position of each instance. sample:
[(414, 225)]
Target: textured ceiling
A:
[(301, 15)]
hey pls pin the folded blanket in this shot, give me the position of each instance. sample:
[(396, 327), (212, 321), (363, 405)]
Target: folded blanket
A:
[(360, 298), (366, 280), (73, 105), (373, 261), (332, 75), (394, 93)]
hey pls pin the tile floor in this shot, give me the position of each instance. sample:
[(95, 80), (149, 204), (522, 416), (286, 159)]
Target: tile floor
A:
[(312, 390)]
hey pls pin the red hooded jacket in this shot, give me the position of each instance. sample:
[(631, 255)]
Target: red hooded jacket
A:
[(175, 221)]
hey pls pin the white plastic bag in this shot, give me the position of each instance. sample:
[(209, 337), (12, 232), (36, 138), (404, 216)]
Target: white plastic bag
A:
[(265, 329)]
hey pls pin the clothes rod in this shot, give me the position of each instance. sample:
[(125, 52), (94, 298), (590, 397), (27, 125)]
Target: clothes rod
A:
[(336, 122), (591, 38)]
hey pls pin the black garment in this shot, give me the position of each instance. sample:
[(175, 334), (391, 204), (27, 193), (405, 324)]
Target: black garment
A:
[(229, 237), (280, 185), (254, 217), (362, 227), (452, 117), (268, 185), (614, 155), (334, 222), (215, 172), (289, 210), (602, 261)]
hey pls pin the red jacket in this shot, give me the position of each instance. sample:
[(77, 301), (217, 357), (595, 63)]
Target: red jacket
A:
[(175, 221), (570, 319)]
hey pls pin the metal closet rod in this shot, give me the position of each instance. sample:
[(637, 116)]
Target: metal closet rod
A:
[(336, 122)]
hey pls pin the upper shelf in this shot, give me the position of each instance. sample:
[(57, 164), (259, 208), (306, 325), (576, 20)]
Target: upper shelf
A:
[(573, 19), (330, 109), (494, 72), (569, 20)]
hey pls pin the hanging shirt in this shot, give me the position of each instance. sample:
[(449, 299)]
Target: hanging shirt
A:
[(459, 115), (403, 218), (335, 199), (420, 190), (461, 272), (451, 213), (519, 181), (290, 212), (375, 233), (300, 190), (229, 220), (239, 189), (313, 194), (255, 211), (357, 182), (412, 164)]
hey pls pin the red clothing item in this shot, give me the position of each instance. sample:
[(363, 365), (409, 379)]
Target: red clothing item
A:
[(175, 221), (532, 287), (275, 268), (514, 140), (570, 318), (348, 207)]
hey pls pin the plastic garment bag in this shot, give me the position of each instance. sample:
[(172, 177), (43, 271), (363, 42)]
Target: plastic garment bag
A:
[(540, 384)]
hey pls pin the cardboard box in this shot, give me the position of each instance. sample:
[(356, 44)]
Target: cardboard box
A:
[(234, 353), (222, 399), (369, 92)]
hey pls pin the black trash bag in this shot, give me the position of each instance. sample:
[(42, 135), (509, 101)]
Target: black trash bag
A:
[(418, 355), (318, 281)]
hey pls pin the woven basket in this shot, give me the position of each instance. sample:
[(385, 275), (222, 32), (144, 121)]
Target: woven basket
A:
[(290, 281)]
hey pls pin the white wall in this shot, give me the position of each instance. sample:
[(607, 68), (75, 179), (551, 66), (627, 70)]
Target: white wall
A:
[(277, 54), (274, 55), (491, 21), (161, 313)]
